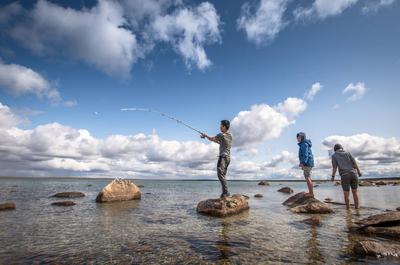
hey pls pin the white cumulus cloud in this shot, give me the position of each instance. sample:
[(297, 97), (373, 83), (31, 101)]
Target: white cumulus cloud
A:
[(373, 6), (20, 80), (323, 9), (263, 122), (315, 88), (187, 30), (263, 22), (357, 91)]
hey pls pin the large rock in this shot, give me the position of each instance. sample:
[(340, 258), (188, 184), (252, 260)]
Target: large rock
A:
[(384, 225), (7, 206), (304, 203), (383, 219), (69, 194), (375, 249), (224, 207), (263, 183), (286, 190), (119, 190)]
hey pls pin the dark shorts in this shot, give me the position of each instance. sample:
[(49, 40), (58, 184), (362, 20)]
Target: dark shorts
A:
[(349, 179)]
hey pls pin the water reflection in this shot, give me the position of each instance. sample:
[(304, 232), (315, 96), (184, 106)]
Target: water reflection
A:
[(314, 253)]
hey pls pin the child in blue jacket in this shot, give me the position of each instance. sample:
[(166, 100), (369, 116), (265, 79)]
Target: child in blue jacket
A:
[(306, 159)]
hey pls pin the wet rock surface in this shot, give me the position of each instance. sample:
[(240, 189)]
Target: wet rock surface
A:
[(375, 249), (63, 203), (288, 190), (383, 225), (69, 194), (7, 206), (304, 203), (315, 221), (119, 190), (226, 206), (263, 183), (366, 183)]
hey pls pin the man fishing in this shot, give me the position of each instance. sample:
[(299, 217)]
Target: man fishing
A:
[(224, 139), (349, 173)]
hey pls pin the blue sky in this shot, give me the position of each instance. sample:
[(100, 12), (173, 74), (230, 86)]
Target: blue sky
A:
[(355, 42)]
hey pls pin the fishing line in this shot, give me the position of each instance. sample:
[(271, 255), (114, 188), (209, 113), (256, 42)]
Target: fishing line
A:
[(164, 115)]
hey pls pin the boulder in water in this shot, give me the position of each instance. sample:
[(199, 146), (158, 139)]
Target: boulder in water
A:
[(304, 203), (398, 208), (226, 206), (119, 190), (69, 194), (258, 195), (375, 249), (384, 225), (7, 206), (286, 190), (63, 203), (380, 183), (263, 183)]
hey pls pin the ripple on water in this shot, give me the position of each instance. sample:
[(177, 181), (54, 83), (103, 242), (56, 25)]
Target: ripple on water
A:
[(164, 227)]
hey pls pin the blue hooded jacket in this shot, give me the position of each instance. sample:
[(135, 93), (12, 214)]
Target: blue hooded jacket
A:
[(305, 154)]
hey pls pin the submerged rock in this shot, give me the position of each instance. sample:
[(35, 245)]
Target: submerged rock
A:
[(263, 183), (258, 195), (315, 220), (226, 206), (119, 190), (375, 249), (7, 206), (380, 183), (63, 203), (69, 194), (384, 225), (286, 190), (304, 203), (366, 183)]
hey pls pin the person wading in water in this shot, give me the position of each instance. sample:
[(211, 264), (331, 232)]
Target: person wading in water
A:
[(349, 173), (224, 139), (306, 159)]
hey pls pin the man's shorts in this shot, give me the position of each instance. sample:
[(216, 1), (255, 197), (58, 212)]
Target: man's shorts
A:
[(307, 172), (349, 179)]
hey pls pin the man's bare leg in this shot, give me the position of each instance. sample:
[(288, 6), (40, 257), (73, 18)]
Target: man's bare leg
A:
[(310, 186), (346, 199), (355, 198)]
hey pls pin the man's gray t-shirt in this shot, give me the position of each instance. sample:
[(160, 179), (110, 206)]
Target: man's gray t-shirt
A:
[(225, 143), (344, 161)]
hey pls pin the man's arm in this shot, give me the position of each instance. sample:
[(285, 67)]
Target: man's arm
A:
[(210, 138), (356, 166), (334, 168)]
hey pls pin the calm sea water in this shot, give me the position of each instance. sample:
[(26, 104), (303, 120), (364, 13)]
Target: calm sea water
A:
[(164, 228)]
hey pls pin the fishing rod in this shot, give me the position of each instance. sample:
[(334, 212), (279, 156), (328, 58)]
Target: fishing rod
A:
[(164, 115)]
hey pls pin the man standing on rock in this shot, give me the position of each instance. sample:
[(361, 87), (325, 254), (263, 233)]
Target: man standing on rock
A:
[(349, 173), (306, 159), (224, 139)]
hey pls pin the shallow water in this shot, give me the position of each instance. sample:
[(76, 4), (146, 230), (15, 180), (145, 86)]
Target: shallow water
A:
[(164, 228)]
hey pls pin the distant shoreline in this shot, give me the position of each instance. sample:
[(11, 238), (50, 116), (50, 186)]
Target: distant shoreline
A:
[(230, 180)]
